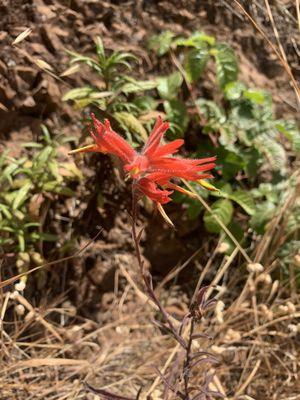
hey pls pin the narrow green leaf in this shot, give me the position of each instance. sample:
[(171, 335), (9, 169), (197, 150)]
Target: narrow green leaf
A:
[(197, 39), (21, 241), (139, 86), (78, 93), (21, 196)]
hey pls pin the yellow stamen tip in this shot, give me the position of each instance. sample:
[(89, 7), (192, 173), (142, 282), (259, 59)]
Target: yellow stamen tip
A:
[(207, 185), (84, 149)]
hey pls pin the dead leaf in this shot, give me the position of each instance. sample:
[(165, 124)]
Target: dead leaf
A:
[(43, 64), (22, 36)]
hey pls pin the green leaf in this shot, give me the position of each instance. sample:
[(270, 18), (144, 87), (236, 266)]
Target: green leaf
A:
[(194, 210), (130, 123), (177, 115), (237, 232), (100, 48), (273, 151), (256, 96), (223, 209), (227, 68), (21, 241), (64, 190), (293, 221), (211, 111), (195, 63), (264, 212), (168, 87), (197, 39), (5, 210), (234, 90), (161, 43), (32, 145), (21, 196), (245, 200), (47, 237), (9, 171), (145, 103), (78, 93), (43, 157), (290, 130), (232, 162), (139, 86)]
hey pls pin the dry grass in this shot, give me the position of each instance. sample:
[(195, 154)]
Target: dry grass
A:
[(48, 352)]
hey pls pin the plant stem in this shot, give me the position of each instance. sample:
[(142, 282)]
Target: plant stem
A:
[(186, 366)]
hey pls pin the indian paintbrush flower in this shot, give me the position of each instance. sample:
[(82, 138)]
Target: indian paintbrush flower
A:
[(153, 168)]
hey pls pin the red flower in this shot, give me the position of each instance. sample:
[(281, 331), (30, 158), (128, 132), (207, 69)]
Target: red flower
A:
[(153, 167)]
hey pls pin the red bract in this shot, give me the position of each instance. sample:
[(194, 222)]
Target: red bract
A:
[(154, 166)]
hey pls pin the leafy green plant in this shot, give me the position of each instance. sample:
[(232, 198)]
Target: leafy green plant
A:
[(241, 128), (117, 93), (250, 141), (27, 184)]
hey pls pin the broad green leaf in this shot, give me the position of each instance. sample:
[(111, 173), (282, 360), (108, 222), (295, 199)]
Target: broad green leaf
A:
[(132, 124), (78, 93), (223, 209), (194, 210), (161, 43), (145, 103), (290, 130), (211, 111), (231, 162), (176, 114), (257, 96), (245, 200), (168, 87), (195, 63), (264, 212), (21, 196), (273, 151), (234, 90), (227, 67)]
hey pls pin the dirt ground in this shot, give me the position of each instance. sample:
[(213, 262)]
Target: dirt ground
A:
[(94, 315)]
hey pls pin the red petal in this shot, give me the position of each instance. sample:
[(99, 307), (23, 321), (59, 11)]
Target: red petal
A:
[(151, 190), (168, 148), (113, 143), (152, 143)]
